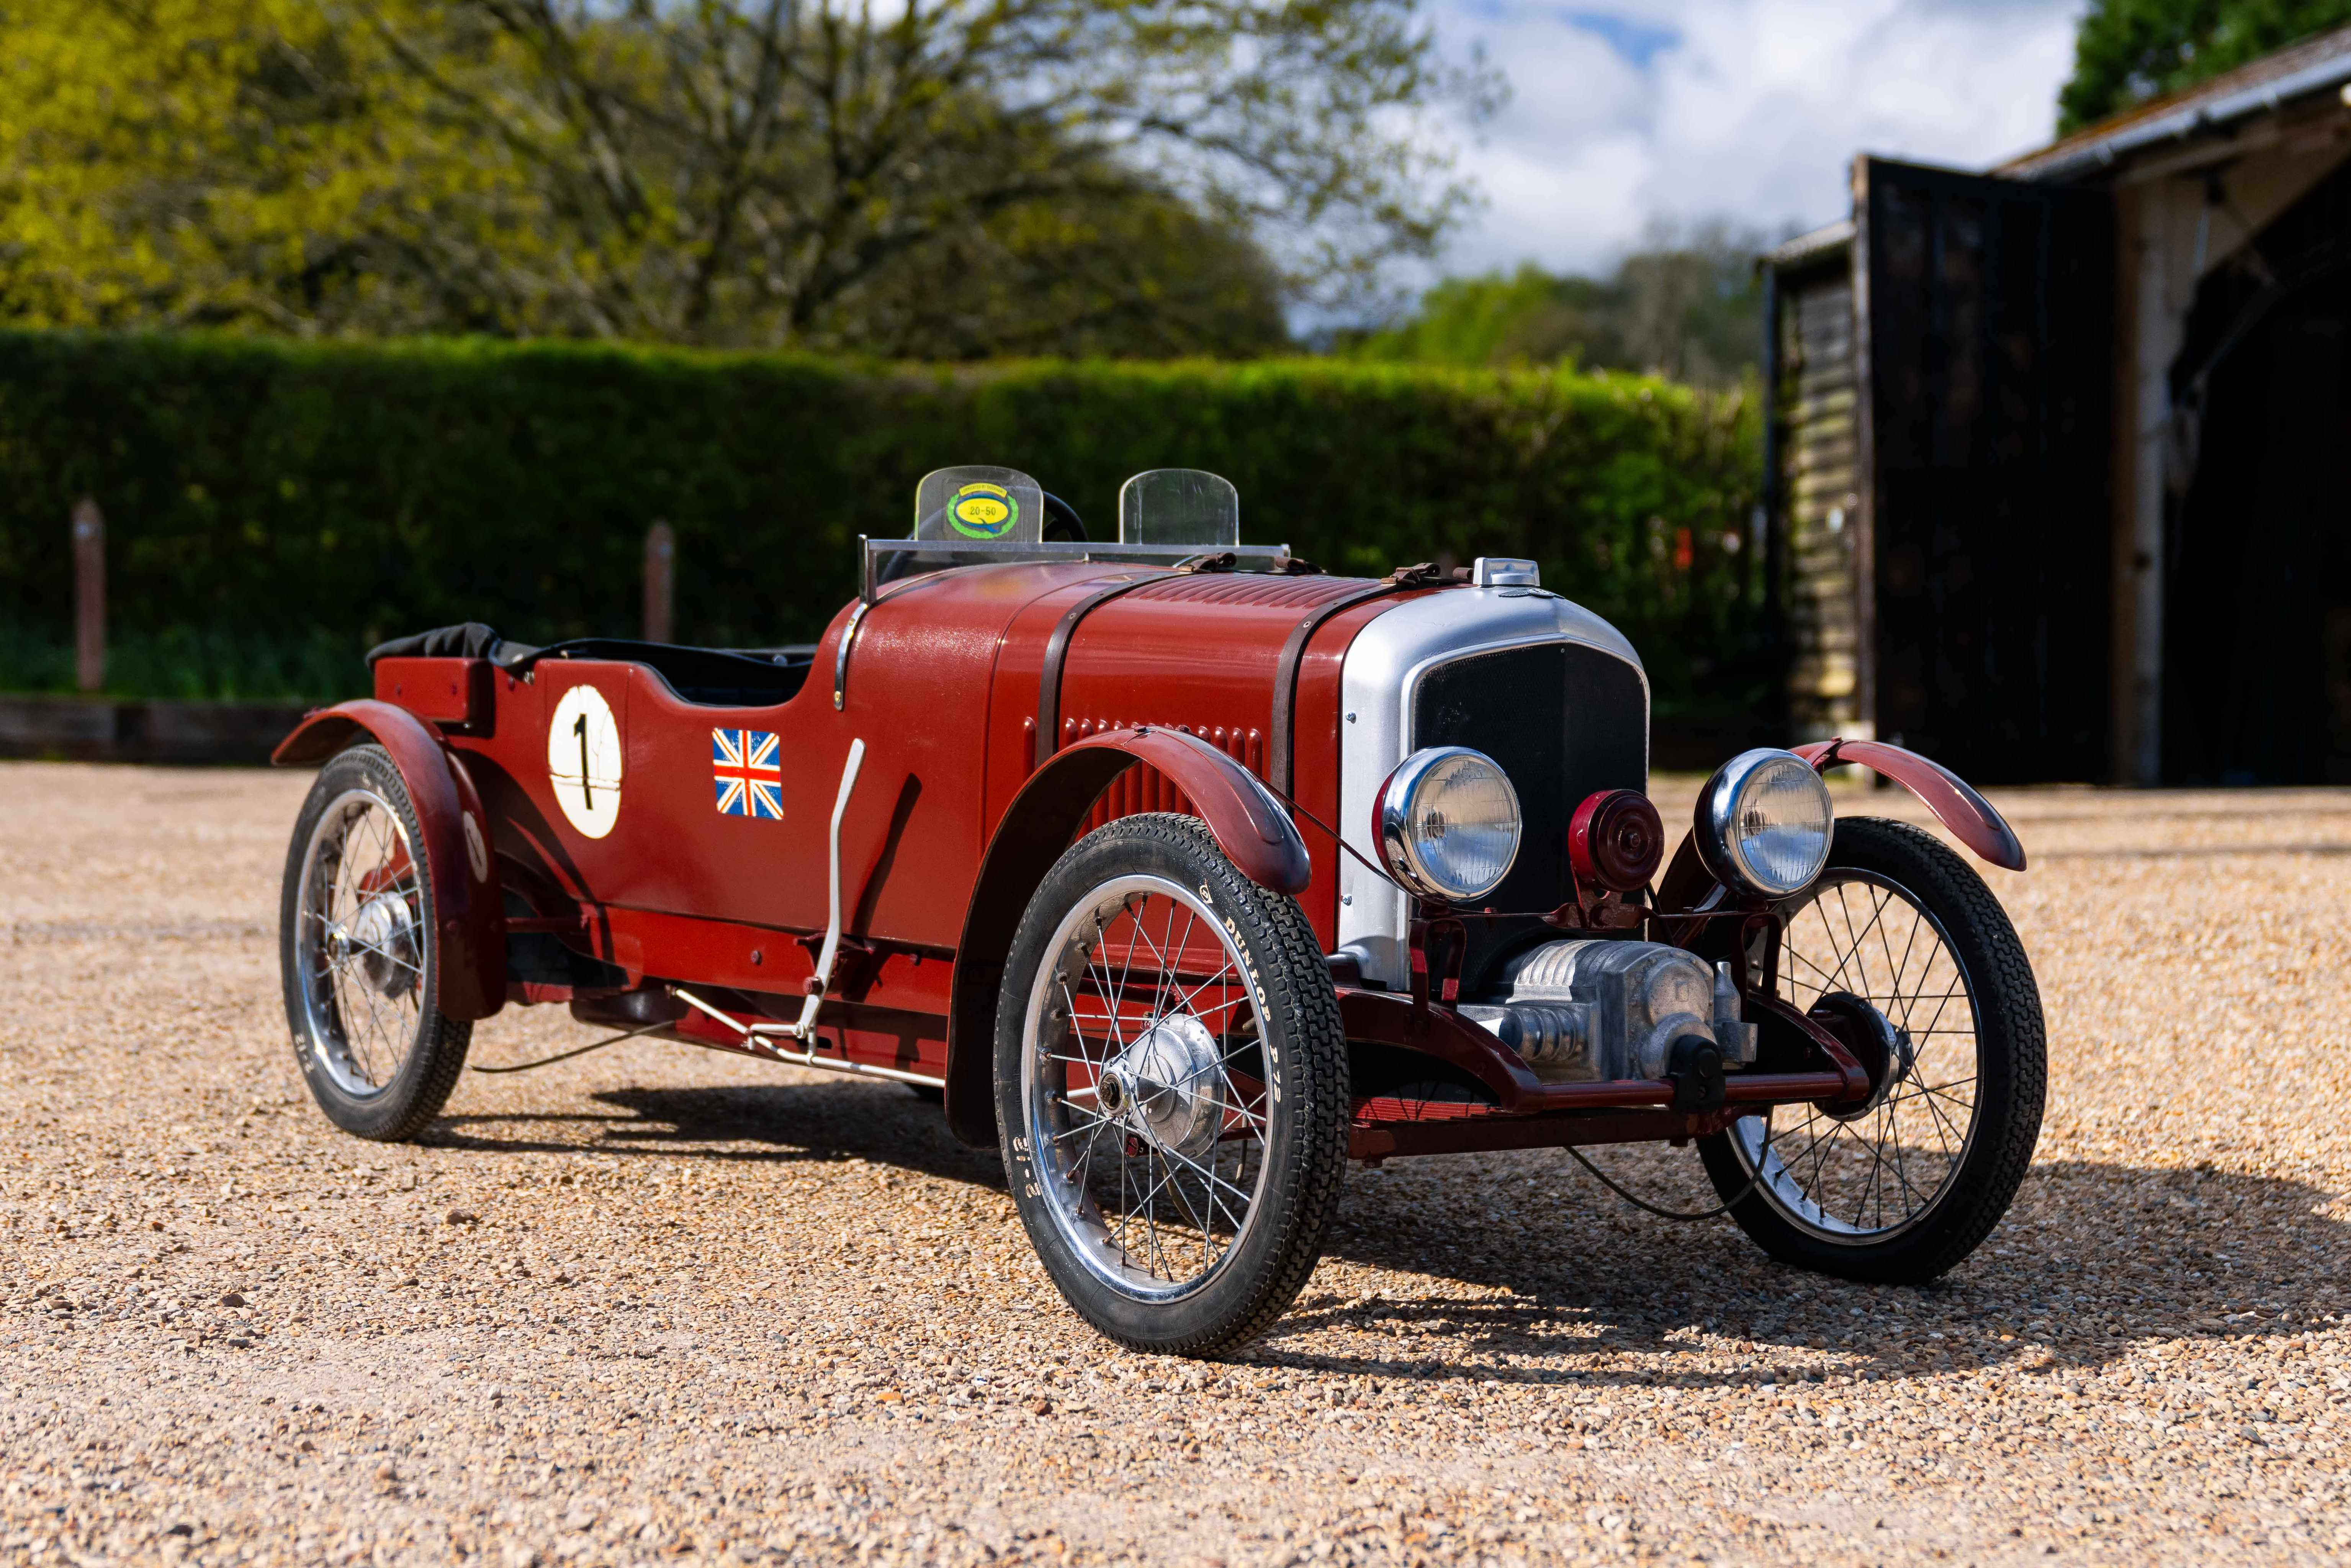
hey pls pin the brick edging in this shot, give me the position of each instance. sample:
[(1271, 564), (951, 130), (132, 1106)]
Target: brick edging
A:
[(85, 729)]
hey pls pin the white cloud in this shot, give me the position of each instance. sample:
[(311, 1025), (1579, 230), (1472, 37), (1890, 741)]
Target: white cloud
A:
[(1624, 112)]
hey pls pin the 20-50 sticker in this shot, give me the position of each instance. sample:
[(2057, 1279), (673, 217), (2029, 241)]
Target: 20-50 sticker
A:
[(583, 760), (984, 511)]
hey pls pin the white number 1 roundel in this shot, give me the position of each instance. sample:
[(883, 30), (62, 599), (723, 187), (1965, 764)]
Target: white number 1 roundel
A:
[(583, 760)]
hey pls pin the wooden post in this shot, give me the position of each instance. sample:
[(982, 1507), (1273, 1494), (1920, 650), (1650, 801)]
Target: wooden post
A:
[(89, 595), (660, 584)]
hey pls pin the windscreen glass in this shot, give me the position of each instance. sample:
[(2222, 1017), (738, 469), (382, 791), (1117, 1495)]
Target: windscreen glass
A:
[(962, 504), (1179, 506)]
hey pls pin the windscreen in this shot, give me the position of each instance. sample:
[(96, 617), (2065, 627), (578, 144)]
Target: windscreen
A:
[(1179, 506), (952, 504)]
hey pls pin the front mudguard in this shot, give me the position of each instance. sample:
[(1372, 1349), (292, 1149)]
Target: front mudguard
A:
[(1955, 802), (467, 902), (1252, 830)]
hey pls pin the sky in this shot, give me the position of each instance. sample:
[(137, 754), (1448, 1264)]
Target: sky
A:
[(1621, 112)]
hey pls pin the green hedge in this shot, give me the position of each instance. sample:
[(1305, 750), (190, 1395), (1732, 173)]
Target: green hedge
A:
[(266, 500)]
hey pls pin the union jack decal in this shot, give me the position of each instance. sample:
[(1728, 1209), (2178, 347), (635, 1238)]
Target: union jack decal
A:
[(747, 768)]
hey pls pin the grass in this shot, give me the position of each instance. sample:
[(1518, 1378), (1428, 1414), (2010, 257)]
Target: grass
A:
[(190, 662)]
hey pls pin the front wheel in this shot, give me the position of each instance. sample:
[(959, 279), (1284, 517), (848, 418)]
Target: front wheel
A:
[(1903, 944), (1171, 1084)]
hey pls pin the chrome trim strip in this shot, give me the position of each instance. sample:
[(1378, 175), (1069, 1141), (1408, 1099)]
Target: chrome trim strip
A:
[(841, 653), (756, 1037), (1030, 552), (805, 1030)]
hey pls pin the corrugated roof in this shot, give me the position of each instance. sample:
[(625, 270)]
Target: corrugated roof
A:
[(1811, 247), (2314, 66)]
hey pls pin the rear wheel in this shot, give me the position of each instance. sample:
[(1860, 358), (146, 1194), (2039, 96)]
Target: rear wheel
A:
[(1903, 951), (1171, 1082), (360, 954)]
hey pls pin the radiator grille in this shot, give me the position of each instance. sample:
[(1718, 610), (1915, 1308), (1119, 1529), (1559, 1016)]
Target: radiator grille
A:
[(1563, 720)]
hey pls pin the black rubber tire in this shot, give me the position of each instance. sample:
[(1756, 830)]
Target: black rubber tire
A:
[(404, 1107), (2013, 1076), (1306, 1141)]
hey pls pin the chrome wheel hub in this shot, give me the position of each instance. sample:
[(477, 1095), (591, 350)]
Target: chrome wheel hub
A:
[(1166, 1086), (384, 938)]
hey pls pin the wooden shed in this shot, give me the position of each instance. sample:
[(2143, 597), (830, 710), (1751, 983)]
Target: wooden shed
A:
[(2060, 455)]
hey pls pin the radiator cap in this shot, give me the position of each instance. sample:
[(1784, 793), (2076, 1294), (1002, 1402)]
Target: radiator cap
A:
[(1505, 572)]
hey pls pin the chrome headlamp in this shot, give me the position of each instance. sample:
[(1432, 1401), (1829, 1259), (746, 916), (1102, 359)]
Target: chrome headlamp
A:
[(1764, 824), (1447, 823)]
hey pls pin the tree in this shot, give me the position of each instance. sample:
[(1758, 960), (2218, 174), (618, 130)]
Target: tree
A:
[(191, 162), (943, 177), (1524, 318), (2126, 52), (1685, 305), (1131, 275)]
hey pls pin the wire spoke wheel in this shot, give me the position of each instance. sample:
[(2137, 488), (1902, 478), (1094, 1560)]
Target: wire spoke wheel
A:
[(1901, 949), (1143, 1088), (358, 919), (1170, 1087), (1864, 1174), (359, 954)]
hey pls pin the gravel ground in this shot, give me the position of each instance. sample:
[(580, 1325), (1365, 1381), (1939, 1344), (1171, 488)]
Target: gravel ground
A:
[(659, 1305)]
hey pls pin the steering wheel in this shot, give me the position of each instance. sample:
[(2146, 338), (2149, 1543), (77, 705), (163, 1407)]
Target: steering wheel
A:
[(1061, 522)]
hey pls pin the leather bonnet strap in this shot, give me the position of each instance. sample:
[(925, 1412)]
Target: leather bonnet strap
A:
[(1057, 653)]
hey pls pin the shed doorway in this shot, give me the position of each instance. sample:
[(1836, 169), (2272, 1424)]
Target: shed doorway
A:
[(1985, 469), (2257, 662)]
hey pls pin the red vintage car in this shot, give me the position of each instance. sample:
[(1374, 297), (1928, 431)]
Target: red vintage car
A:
[(1184, 874)]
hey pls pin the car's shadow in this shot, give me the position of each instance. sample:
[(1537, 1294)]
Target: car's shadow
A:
[(824, 1122), (2093, 1258), (1563, 1279)]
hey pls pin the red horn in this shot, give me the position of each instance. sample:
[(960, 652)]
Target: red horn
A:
[(1615, 839)]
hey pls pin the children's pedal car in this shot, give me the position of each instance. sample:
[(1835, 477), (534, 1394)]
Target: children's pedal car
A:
[(1184, 873)]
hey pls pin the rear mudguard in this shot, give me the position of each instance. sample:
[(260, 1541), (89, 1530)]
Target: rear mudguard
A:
[(473, 960), (1970, 817), (1254, 833)]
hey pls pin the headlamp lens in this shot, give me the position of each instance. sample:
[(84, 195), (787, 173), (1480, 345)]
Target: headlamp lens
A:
[(1449, 824), (1765, 823)]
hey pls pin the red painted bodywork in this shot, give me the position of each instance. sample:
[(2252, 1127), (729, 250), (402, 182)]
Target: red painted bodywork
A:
[(1164, 702), (1196, 653), (446, 691)]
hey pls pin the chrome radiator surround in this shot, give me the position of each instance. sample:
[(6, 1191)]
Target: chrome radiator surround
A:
[(1379, 687)]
